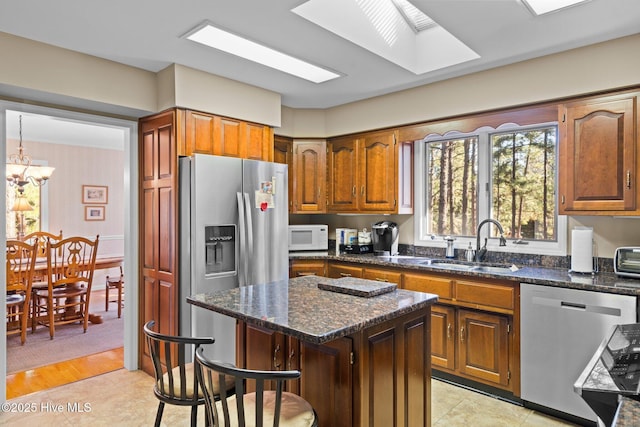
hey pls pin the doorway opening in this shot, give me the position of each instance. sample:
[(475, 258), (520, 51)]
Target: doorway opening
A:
[(87, 151)]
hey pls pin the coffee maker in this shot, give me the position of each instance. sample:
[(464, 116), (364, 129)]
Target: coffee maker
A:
[(384, 236)]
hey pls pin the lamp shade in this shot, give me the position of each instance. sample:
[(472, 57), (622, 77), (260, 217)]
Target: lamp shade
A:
[(21, 205)]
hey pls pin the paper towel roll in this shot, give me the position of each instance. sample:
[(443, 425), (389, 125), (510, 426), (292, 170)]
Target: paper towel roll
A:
[(582, 249)]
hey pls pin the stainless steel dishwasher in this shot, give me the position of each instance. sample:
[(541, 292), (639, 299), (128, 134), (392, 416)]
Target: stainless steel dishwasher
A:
[(560, 330)]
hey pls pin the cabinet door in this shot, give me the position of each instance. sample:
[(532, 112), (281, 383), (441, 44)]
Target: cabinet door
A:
[(326, 381), (158, 229), (283, 153), (342, 164), (199, 133), (484, 346), (265, 350), (443, 337), (378, 175), (310, 172), (338, 270), (598, 156), (383, 276), (301, 268), (227, 137), (256, 142)]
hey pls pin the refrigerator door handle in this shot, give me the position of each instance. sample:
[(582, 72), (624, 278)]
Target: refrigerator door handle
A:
[(242, 268), (249, 230)]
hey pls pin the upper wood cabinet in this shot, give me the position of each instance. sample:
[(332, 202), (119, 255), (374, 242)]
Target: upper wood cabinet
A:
[(599, 156), (309, 177), (283, 153), (210, 134), (370, 173)]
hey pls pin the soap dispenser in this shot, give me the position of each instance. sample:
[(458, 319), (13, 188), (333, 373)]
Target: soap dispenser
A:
[(450, 253), (469, 254)]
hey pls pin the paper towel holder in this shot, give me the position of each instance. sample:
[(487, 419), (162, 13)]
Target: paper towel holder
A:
[(595, 261)]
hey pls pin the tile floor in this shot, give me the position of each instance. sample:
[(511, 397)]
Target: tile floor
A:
[(124, 398)]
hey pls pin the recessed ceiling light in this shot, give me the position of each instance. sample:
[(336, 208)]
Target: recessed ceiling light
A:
[(227, 42), (540, 7)]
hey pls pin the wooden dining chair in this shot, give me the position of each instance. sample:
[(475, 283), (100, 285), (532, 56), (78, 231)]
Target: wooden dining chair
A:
[(176, 382), (117, 283), (21, 259), (261, 408), (70, 266), (40, 238)]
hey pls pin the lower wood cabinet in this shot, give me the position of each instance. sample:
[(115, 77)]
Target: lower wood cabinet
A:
[(302, 267), (337, 271), (476, 344)]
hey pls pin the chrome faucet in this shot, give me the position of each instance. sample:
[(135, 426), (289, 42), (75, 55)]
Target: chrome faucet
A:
[(481, 253)]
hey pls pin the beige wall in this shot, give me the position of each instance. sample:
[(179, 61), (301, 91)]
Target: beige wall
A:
[(77, 166), (53, 70), (599, 67)]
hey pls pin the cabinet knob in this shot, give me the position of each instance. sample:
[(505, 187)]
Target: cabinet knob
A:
[(462, 334), (628, 180), (449, 329), (345, 274)]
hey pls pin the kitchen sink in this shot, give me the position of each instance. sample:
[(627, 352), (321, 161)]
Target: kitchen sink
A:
[(474, 267), (493, 270), (452, 265)]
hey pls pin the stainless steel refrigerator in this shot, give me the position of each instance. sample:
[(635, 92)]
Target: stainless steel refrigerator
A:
[(233, 232)]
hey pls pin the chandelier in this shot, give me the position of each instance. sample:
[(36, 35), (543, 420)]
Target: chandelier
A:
[(21, 172)]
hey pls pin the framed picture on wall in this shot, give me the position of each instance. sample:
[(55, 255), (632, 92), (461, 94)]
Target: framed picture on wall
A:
[(94, 213), (95, 194)]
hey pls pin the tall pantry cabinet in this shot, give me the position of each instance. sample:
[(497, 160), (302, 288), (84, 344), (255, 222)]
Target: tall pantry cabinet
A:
[(163, 137)]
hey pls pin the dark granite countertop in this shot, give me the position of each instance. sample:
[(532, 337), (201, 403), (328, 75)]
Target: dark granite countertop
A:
[(601, 282), (628, 414), (298, 308)]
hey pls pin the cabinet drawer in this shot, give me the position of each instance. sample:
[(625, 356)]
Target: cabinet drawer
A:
[(485, 294), (441, 286), (383, 276), (307, 268), (337, 271)]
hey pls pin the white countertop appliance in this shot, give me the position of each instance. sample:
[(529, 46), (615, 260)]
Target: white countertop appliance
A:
[(310, 237)]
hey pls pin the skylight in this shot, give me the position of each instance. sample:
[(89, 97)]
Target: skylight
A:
[(414, 16), (225, 41), (540, 7), (395, 30)]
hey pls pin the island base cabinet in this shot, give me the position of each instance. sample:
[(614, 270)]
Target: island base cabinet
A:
[(377, 377), (395, 373)]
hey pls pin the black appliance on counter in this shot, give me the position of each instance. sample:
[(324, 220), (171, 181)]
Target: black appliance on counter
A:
[(356, 249), (384, 236)]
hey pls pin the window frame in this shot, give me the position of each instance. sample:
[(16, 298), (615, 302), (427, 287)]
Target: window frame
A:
[(484, 193)]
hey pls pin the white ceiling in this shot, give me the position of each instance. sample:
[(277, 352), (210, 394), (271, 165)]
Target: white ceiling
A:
[(147, 34)]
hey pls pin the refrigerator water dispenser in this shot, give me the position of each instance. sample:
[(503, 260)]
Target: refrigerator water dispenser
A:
[(220, 249)]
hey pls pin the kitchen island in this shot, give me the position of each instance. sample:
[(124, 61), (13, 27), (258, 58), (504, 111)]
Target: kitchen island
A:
[(364, 361)]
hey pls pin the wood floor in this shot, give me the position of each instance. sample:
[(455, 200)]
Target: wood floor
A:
[(33, 380)]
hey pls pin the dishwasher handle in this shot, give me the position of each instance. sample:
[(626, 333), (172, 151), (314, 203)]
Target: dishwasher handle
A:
[(573, 305)]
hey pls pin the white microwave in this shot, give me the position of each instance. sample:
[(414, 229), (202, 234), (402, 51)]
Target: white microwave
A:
[(308, 238)]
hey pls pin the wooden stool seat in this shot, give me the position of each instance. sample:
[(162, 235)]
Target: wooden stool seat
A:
[(117, 283)]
